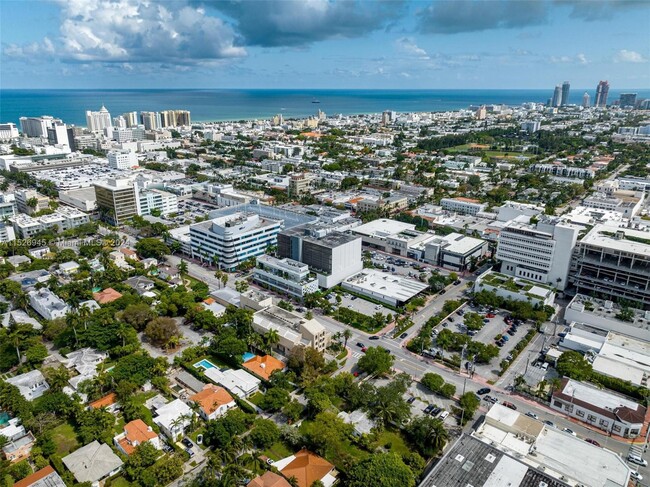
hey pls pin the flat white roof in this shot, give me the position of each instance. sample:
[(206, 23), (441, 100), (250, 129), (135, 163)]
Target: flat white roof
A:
[(461, 244), (597, 397), (597, 237), (383, 228), (386, 284)]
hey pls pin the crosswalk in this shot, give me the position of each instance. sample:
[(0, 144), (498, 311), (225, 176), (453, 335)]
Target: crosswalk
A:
[(357, 354)]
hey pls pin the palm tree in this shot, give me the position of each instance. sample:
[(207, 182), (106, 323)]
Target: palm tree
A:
[(84, 314), (436, 436), (272, 337), (71, 320), (57, 377), (123, 332), (182, 267), (21, 300), (347, 334)]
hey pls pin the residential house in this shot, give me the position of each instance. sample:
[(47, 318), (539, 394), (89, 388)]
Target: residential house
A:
[(136, 433), (167, 272), (45, 477), (129, 253), (213, 401), (142, 285), (238, 382), (149, 263), (108, 295), (85, 361), (31, 384), (307, 468), (69, 268), (47, 304), (263, 366), (173, 418), (19, 316), (188, 381), (18, 449), (108, 402), (269, 479), (93, 462)]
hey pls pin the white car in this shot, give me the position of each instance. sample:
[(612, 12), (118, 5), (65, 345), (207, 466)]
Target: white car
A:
[(570, 431), (632, 458), (636, 476)]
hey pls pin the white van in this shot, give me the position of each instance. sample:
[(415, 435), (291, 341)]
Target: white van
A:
[(545, 366), (443, 415)]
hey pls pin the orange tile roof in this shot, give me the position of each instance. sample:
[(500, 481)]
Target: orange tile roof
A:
[(137, 432), (209, 301), (307, 467), (211, 398), (469, 200), (108, 295), (129, 252), (263, 366), (269, 479), (105, 401), (35, 477)]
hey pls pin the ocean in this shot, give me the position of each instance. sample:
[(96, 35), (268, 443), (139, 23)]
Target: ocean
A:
[(223, 104)]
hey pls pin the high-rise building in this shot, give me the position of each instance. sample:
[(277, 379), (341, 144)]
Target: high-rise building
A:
[(36, 126), (150, 120), (60, 134), (586, 100), (566, 88), (174, 118), (116, 200), (627, 100), (8, 131), (540, 253), (119, 122), (131, 119), (602, 90), (557, 96), (122, 159), (98, 121)]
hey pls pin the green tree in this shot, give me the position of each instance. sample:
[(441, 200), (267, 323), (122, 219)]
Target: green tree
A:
[(161, 330), (151, 248), (432, 381), (376, 361), (469, 403), (264, 433), (428, 435), (138, 315), (274, 399), (573, 364), (381, 470)]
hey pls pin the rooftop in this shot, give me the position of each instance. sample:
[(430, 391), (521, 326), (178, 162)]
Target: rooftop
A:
[(211, 398), (92, 462), (383, 227), (45, 477), (387, 284), (619, 237)]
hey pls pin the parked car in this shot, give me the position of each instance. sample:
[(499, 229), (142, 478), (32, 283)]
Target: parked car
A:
[(428, 409), (483, 390), (491, 399), (443, 415), (570, 431), (410, 400), (505, 338), (442, 291), (509, 405), (634, 475), (511, 332), (187, 442), (190, 452), (532, 415), (451, 319), (457, 282), (550, 424), (593, 442), (490, 315), (403, 335), (633, 458), (364, 349)]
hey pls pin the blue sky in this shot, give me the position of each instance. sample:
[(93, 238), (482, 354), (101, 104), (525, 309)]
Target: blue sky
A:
[(323, 43)]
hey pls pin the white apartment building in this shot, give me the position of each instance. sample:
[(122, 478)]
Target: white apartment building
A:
[(122, 159), (23, 197), (98, 121), (233, 238), (294, 330), (563, 171), (156, 199), (64, 218), (464, 206), (8, 131), (36, 126), (47, 304), (129, 134), (285, 276), (7, 233), (540, 253)]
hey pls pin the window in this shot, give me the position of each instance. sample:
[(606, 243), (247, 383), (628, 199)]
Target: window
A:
[(580, 413), (616, 428), (604, 422), (557, 404), (591, 418)]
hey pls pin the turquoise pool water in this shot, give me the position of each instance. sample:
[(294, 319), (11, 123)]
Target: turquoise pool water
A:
[(247, 356), (204, 364), (4, 418)]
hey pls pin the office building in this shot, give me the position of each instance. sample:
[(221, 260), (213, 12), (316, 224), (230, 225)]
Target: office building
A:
[(332, 256), (299, 184), (122, 159), (531, 126), (150, 120), (613, 413), (8, 131), (515, 288), (557, 96), (539, 253), (116, 200), (566, 88), (602, 90), (36, 126), (285, 276), (464, 206), (627, 100), (60, 134), (28, 201), (384, 287), (294, 330), (157, 201), (233, 238), (586, 100), (98, 121), (614, 262), (454, 251)]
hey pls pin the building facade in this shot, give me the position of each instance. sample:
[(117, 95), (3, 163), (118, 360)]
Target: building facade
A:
[(122, 159), (116, 200), (98, 121), (157, 201), (285, 276), (464, 206)]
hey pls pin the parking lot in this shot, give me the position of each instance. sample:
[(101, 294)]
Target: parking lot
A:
[(361, 305), (400, 266)]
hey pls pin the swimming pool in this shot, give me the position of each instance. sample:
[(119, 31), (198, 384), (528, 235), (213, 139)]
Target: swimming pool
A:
[(4, 418), (204, 364), (247, 356)]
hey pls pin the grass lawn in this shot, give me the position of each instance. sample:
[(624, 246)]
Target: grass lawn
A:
[(256, 398), (277, 451), (120, 482), (194, 434), (395, 440), (65, 438)]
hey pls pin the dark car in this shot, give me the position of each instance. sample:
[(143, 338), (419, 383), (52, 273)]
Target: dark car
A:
[(410, 400), (442, 291), (483, 390), (428, 409), (360, 345), (500, 344), (403, 335), (189, 452), (374, 337), (511, 332), (435, 411), (509, 405), (593, 442), (451, 319), (187, 442), (457, 282)]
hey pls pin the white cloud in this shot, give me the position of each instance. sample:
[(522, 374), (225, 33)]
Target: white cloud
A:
[(625, 56), (577, 59), (408, 46), (136, 31)]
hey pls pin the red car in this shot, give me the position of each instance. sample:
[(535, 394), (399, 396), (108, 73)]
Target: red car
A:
[(490, 315), (593, 442), (356, 374), (364, 349), (509, 405)]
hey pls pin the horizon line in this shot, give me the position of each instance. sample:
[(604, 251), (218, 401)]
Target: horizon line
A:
[(306, 89)]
